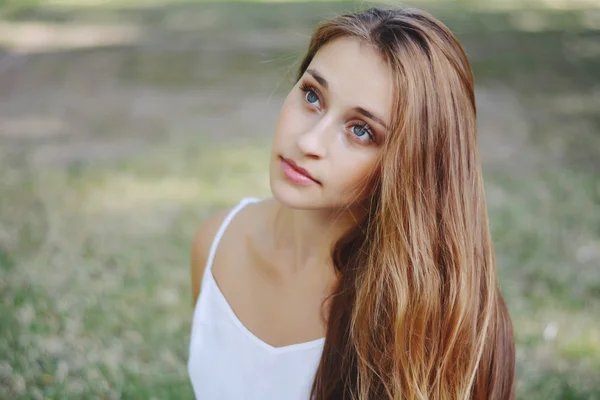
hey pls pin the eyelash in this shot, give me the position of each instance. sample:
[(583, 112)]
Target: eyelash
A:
[(308, 88)]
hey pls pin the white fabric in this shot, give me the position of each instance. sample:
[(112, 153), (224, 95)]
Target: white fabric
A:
[(227, 361)]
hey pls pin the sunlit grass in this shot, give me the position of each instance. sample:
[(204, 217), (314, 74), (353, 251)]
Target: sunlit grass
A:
[(489, 4), (16, 6)]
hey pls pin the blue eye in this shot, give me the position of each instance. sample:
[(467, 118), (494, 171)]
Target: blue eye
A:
[(311, 96), (362, 132)]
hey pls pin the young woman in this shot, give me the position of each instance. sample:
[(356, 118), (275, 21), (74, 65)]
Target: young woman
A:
[(370, 273)]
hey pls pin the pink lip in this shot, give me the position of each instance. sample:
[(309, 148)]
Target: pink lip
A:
[(296, 174)]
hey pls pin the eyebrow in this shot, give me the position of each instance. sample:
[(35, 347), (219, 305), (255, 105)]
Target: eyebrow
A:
[(323, 82)]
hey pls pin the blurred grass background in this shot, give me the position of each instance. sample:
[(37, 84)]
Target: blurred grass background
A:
[(124, 123)]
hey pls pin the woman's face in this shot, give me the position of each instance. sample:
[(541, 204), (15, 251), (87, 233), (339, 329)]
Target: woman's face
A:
[(331, 127)]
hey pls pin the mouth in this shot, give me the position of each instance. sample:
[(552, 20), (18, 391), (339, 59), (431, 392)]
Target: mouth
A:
[(295, 173)]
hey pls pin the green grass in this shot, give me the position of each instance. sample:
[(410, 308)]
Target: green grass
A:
[(107, 294)]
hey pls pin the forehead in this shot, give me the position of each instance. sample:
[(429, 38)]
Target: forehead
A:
[(357, 75)]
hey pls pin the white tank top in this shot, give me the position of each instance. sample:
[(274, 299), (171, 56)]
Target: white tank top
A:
[(227, 361)]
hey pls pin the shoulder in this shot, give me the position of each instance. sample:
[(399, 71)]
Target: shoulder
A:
[(206, 232), (242, 225), (203, 239)]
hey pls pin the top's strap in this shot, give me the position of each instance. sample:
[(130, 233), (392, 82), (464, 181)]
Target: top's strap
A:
[(223, 227)]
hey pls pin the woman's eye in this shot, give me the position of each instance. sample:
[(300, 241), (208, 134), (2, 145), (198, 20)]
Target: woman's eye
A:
[(312, 98), (362, 132)]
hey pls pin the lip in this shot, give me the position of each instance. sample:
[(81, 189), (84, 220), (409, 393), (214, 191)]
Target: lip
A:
[(296, 173)]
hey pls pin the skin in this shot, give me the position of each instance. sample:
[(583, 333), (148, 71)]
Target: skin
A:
[(273, 264)]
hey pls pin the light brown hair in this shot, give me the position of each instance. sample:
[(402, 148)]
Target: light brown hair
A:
[(417, 313)]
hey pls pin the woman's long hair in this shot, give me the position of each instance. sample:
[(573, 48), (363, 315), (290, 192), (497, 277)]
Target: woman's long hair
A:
[(417, 313)]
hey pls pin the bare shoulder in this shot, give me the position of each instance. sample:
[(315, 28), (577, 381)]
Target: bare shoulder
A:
[(203, 239), (242, 227)]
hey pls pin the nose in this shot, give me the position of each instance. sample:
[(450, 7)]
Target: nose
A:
[(315, 140)]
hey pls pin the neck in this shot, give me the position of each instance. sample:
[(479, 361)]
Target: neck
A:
[(307, 237)]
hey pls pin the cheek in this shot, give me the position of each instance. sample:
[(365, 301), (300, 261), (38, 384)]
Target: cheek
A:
[(355, 174), (288, 118)]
